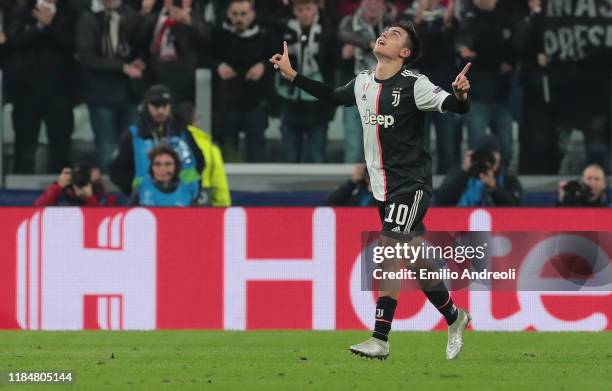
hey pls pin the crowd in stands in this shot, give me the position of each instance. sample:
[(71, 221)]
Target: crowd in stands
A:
[(56, 54), (105, 53)]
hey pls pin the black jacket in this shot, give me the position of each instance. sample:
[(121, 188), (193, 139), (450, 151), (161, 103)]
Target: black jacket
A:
[(350, 194), (241, 52), (41, 57), (487, 34), (177, 74), (122, 168), (455, 183), (102, 80), (438, 43), (528, 43)]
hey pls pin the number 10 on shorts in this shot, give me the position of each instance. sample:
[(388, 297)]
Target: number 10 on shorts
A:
[(401, 214)]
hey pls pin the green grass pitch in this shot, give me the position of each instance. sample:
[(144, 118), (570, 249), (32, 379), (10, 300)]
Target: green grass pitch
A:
[(308, 360)]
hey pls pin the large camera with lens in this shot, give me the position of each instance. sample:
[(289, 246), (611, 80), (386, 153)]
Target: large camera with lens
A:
[(576, 193), (483, 160)]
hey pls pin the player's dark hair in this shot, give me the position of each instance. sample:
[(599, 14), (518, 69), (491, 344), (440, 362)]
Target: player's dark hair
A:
[(415, 41), (164, 149)]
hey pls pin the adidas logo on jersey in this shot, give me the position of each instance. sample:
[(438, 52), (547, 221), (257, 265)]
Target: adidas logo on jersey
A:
[(374, 119), (407, 73), (396, 229)]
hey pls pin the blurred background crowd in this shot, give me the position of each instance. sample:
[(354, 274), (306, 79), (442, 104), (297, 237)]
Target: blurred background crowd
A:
[(542, 72)]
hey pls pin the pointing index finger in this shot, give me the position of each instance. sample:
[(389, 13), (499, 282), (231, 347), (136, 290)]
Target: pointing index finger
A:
[(465, 69), (285, 48)]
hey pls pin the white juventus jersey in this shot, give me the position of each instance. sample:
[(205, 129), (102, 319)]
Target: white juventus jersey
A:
[(393, 120), (392, 116)]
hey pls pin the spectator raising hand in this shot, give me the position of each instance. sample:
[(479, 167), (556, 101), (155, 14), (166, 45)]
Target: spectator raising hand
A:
[(147, 6), (180, 14), (174, 36), (449, 14)]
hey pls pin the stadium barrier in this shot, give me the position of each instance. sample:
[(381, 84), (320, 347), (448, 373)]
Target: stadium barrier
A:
[(253, 268)]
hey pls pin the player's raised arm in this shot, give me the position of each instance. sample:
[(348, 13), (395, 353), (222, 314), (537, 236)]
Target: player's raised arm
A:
[(461, 85), (282, 63), (459, 102), (344, 95)]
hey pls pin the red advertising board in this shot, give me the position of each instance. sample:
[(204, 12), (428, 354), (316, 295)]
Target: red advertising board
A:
[(260, 268)]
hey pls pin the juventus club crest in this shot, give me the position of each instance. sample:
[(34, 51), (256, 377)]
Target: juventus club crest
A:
[(396, 96), (380, 312)]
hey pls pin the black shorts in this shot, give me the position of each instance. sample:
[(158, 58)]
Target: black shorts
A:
[(404, 214)]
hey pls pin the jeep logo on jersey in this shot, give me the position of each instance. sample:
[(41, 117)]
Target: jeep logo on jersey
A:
[(374, 119)]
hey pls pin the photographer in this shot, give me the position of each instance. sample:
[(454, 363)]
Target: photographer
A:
[(481, 180), (590, 191), (357, 191), (81, 186)]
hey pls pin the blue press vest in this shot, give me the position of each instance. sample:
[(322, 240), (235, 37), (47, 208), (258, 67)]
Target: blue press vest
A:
[(150, 195), (142, 147)]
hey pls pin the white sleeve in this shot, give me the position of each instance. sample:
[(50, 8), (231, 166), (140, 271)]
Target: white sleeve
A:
[(427, 96)]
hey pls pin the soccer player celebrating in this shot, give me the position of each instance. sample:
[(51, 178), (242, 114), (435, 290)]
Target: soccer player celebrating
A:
[(391, 101)]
